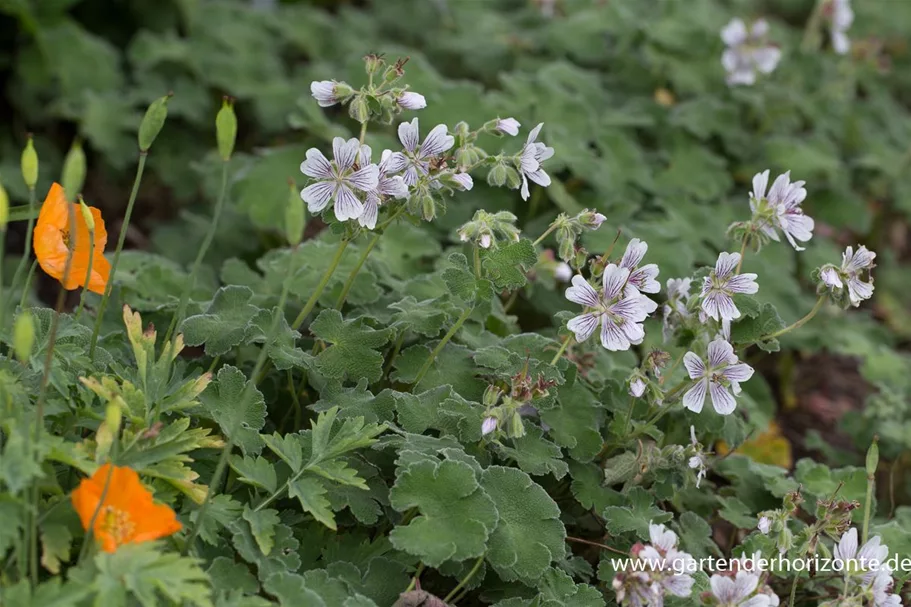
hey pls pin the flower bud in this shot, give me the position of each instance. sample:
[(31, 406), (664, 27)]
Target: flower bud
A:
[(488, 425), (409, 100), (226, 129), (470, 155), (113, 415), (73, 171), (516, 427), (491, 396), (513, 179), (4, 208), (372, 63), (295, 219), (497, 176), (567, 250), (581, 256), (428, 208), (29, 164), (23, 335), (87, 215), (359, 110), (152, 122), (591, 219), (873, 457)]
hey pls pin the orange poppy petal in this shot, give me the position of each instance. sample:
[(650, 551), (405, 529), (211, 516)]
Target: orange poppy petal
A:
[(101, 270), (54, 211)]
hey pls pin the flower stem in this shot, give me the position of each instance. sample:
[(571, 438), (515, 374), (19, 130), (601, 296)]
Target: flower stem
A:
[(414, 579), (452, 331), (248, 389), (28, 241), (466, 579), (801, 322), (357, 268), (477, 262), (868, 508), (561, 350), (546, 233), (88, 274), (28, 283), (2, 248), (327, 275), (140, 168), (743, 250), (793, 591), (200, 255)]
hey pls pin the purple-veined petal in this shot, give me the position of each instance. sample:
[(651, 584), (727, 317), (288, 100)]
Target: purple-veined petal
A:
[(411, 101), (679, 584), (720, 306), (528, 161), (612, 338), (738, 373), (393, 162), (760, 184), (583, 326), (841, 44), (543, 152), (437, 141), (392, 186), (540, 177), (730, 60), (644, 278), (830, 276), (324, 92), (464, 180), (408, 135), (582, 293), (523, 191), (635, 252), (367, 219), (847, 545), (726, 264), (345, 152), (859, 290), (759, 29), (363, 155), (742, 75), (510, 126), (347, 206), (533, 135), (720, 353), (780, 188), (614, 279), (742, 283), (861, 260), (722, 400), (694, 365), (637, 387), (767, 59), (316, 165), (633, 331), (488, 425), (694, 398), (317, 195), (364, 179)]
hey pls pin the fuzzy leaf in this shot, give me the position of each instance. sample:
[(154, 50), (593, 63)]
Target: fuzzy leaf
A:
[(282, 349), (312, 495), (506, 266), (255, 471), (636, 516), (575, 421), (224, 323), (353, 353), (425, 317), (238, 408), (536, 455), (456, 515), (262, 526)]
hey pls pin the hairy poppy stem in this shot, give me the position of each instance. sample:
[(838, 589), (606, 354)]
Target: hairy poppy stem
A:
[(327, 275), (140, 168), (28, 244), (248, 389), (197, 263)]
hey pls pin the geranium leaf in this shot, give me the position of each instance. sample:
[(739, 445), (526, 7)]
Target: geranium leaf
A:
[(353, 351), (224, 323), (238, 408)]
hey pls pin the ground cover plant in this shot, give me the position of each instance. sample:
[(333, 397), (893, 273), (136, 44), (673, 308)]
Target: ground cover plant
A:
[(504, 303)]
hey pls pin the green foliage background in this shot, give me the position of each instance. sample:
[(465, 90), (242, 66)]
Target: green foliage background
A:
[(674, 174)]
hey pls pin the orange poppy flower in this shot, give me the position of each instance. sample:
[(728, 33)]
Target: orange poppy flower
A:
[(53, 243), (128, 514)]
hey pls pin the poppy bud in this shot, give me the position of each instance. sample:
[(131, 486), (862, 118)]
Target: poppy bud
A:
[(295, 219), (873, 457), (73, 171), (23, 335), (30, 164), (4, 208), (152, 122), (87, 215), (359, 110), (226, 129)]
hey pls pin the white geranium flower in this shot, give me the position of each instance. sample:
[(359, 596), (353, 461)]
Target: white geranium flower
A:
[(697, 461), (747, 51), (636, 387), (765, 524), (722, 371), (325, 92), (641, 279), (871, 555), (464, 180), (660, 574), (621, 315), (337, 180), (417, 156), (722, 284), (678, 296), (411, 101), (780, 210), (388, 185), (509, 126), (530, 159), (488, 425), (740, 591), (841, 16), (563, 272), (854, 266)]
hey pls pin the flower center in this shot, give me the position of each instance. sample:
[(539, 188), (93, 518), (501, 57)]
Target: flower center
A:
[(117, 524)]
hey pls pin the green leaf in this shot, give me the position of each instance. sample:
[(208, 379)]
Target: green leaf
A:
[(289, 448), (291, 591), (238, 407), (18, 467), (262, 526), (282, 349), (529, 534), (356, 402), (311, 492), (255, 471), (636, 516), (737, 513), (453, 366), (461, 281), (225, 322), (439, 409), (456, 515), (222, 512), (536, 455), (425, 317), (225, 573), (353, 353), (52, 593), (558, 590), (751, 329), (621, 468), (56, 542), (575, 421), (284, 556), (696, 535), (507, 266)]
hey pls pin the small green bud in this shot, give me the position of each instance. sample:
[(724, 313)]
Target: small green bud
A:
[(152, 122), (373, 62), (4, 208), (873, 457), (295, 217), (226, 129), (515, 429), (359, 109), (491, 396), (30, 164), (567, 249), (513, 179), (23, 335), (74, 171), (497, 176), (113, 415), (87, 215), (428, 208)]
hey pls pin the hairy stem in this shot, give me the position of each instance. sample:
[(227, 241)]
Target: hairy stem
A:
[(546, 233), (327, 275), (562, 349), (140, 168), (28, 241), (200, 255), (354, 272), (436, 351), (743, 250), (466, 579), (28, 283), (801, 322)]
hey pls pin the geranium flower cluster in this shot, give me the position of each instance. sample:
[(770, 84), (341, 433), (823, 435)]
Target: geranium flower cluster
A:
[(868, 579), (665, 571)]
